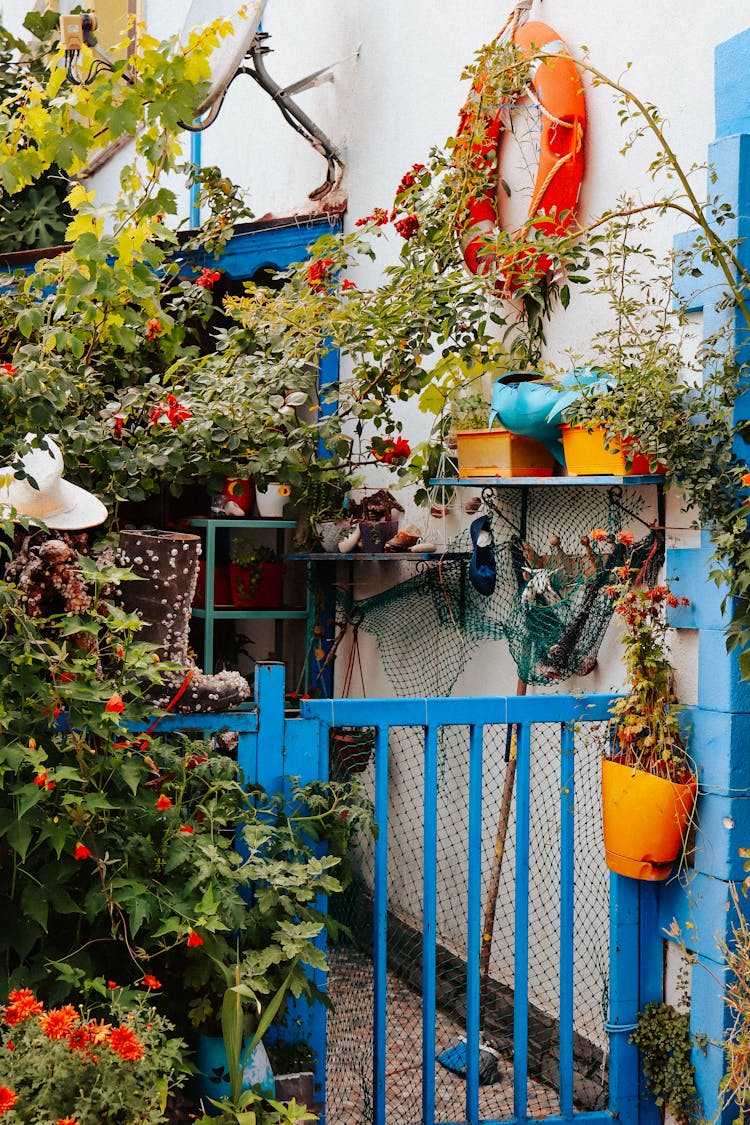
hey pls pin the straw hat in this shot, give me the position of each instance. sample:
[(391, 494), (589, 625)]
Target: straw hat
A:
[(46, 497)]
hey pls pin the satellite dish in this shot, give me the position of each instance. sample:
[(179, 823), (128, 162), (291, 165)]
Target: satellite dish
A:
[(227, 57)]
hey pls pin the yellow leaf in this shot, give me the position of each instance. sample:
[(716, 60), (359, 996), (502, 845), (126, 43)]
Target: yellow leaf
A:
[(78, 196)]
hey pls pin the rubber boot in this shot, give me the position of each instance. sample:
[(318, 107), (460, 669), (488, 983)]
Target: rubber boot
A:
[(167, 561)]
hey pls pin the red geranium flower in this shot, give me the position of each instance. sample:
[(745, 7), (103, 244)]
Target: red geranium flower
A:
[(379, 217), (164, 802), (317, 273), (194, 940), (188, 828), (208, 278), (407, 226), (172, 409), (150, 981), (397, 451), (81, 852), (347, 284), (8, 369)]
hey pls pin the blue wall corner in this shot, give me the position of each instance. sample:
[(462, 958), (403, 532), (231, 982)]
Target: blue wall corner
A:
[(720, 685), (731, 90), (718, 741), (722, 828)]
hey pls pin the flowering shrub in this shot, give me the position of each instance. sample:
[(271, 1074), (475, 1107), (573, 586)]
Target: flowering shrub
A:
[(645, 724), (67, 1066)]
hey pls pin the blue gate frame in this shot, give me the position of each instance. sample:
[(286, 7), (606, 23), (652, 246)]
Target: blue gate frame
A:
[(632, 978), (274, 745)]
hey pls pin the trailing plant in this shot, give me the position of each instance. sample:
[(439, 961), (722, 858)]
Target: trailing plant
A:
[(644, 727), (735, 1085), (663, 1037)]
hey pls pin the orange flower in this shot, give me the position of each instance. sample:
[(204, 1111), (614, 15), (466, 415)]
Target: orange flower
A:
[(194, 940), (164, 803), (745, 478), (81, 852), (115, 703), (625, 537), (7, 1099), (154, 328), (150, 981), (66, 1121), (598, 535), (22, 1004), (59, 1022), (126, 1044)]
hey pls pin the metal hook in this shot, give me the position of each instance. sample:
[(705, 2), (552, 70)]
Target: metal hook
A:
[(613, 495)]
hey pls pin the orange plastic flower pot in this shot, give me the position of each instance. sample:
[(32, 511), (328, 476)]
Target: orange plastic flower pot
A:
[(645, 820), (498, 453)]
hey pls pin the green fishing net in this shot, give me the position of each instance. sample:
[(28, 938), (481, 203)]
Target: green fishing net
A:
[(555, 552)]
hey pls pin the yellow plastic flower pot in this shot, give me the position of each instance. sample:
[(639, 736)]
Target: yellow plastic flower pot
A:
[(585, 454), (645, 820)]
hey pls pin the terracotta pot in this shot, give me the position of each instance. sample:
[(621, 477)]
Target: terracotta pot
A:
[(645, 820), (249, 593)]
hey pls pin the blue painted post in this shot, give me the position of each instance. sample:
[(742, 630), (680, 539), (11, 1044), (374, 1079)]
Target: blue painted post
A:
[(429, 922), (521, 936), (567, 917), (474, 925), (624, 926), (380, 922), (721, 721)]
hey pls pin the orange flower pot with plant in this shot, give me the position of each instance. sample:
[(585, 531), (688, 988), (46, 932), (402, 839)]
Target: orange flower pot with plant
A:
[(648, 781)]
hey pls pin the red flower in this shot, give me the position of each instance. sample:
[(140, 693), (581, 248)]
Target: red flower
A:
[(66, 1121), (81, 852), (378, 216), (7, 1099), (407, 226), (59, 1022), (8, 369), (150, 981), (194, 940), (188, 828), (745, 478), (625, 537), (154, 328), (125, 1043), (172, 409), (22, 1005), (208, 278), (115, 704), (317, 273), (41, 779), (396, 451), (111, 985), (164, 803), (117, 424), (347, 284)]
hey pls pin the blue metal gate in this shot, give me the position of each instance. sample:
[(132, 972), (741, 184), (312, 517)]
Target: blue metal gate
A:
[(274, 745), (573, 716)]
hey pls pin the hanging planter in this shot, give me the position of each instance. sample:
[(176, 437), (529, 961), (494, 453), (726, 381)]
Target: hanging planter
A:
[(645, 819)]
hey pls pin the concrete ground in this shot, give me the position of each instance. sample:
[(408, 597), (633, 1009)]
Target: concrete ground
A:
[(349, 1059)]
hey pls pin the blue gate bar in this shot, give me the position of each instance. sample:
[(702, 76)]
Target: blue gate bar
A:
[(474, 925), (380, 921), (567, 916), (521, 935), (429, 922)]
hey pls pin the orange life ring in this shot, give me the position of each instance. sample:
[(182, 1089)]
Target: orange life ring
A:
[(558, 90)]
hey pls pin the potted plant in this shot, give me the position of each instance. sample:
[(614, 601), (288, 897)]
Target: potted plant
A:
[(374, 516), (648, 781), (256, 574)]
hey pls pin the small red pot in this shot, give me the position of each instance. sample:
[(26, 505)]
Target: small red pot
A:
[(249, 593), (241, 491)]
